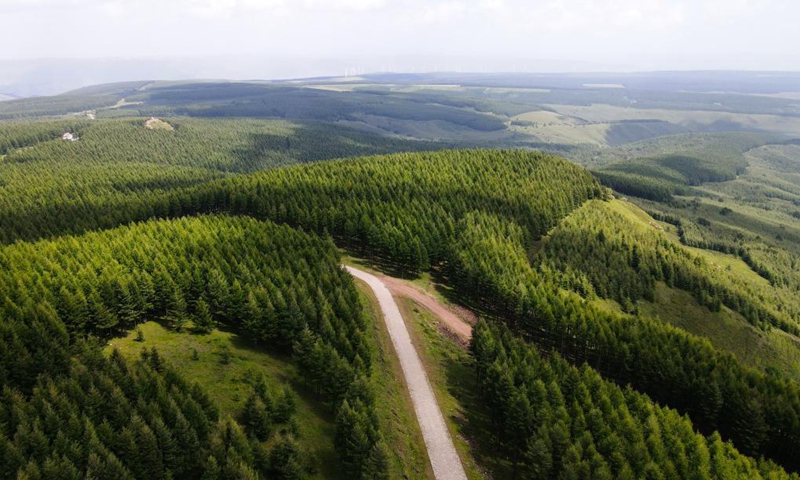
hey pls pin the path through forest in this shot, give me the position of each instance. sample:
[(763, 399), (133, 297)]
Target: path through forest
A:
[(441, 451), (458, 321)]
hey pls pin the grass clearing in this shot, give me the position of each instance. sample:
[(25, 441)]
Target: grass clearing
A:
[(546, 118), (594, 134), (157, 124), (727, 331), (228, 385)]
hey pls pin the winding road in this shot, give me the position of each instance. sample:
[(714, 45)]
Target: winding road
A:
[(441, 451)]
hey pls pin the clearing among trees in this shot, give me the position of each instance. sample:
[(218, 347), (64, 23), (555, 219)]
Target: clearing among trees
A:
[(157, 124)]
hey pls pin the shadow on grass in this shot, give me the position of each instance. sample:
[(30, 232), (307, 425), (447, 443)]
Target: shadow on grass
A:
[(323, 409), (473, 421), (328, 461)]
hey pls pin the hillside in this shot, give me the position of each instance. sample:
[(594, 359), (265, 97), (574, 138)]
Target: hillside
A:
[(172, 302)]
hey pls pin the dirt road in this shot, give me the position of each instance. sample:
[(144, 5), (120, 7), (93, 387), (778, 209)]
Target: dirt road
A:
[(459, 322), (441, 451)]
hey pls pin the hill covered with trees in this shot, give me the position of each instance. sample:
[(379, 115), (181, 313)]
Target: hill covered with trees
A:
[(280, 287), (527, 239)]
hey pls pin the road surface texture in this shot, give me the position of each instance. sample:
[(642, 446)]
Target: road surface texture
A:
[(441, 451), (458, 322)]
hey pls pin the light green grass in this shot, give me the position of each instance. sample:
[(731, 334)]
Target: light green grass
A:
[(689, 118), (726, 330), (553, 127), (228, 385)]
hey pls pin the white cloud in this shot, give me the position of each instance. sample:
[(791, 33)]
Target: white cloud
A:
[(609, 31), (588, 15), (492, 4), (356, 5), (445, 12)]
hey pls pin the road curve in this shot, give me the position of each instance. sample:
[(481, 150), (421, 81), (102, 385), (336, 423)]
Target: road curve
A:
[(458, 321), (441, 451)]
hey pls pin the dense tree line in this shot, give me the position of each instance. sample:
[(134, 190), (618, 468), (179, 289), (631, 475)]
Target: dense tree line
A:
[(55, 105), (688, 236), (638, 185), (107, 418), (404, 207), (119, 171), (229, 145), (72, 102), (759, 413), (300, 103), (556, 421), (16, 135), (281, 287), (660, 176), (775, 263)]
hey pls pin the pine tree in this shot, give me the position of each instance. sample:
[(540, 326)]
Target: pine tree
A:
[(257, 417), (284, 459), (203, 321), (376, 465)]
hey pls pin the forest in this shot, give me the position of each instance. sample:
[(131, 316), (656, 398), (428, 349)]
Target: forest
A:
[(555, 420), (691, 161), (120, 171), (487, 263), (218, 222), (283, 288)]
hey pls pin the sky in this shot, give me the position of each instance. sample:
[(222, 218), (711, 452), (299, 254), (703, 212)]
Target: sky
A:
[(476, 35)]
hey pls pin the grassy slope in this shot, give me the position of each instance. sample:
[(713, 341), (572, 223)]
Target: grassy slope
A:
[(727, 330), (228, 385)]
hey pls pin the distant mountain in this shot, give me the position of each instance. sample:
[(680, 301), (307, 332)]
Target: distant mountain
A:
[(27, 78)]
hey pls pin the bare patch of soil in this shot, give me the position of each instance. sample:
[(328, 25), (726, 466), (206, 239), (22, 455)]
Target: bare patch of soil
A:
[(157, 124)]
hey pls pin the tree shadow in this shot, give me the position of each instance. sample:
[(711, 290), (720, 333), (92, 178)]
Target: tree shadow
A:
[(474, 418)]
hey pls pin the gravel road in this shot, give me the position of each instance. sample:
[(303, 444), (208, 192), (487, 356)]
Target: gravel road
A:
[(441, 451)]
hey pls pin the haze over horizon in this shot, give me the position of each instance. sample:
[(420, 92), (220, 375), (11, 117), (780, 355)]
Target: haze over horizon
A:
[(70, 43)]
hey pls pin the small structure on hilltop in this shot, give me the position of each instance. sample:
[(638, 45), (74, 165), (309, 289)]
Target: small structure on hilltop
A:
[(70, 137)]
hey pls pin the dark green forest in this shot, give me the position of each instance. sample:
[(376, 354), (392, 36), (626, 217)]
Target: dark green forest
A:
[(485, 259), (555, 420), (692, 160), (119, 171)]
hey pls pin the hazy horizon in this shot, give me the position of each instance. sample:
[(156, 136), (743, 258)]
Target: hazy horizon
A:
[(53, 46), (628, 34)]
